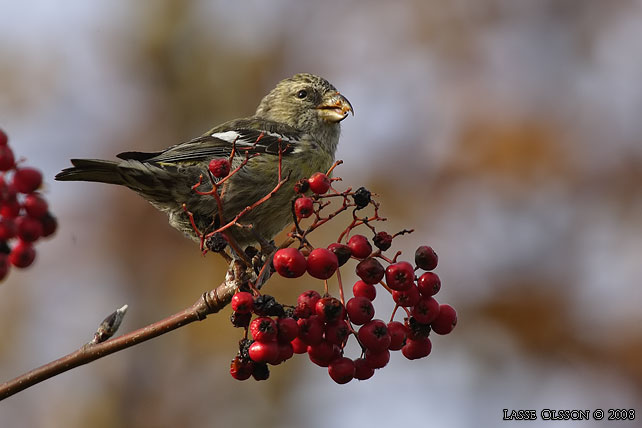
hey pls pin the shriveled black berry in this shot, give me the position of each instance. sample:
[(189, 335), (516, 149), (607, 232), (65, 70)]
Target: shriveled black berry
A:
[(244, 349), (260, 371), (302, 186), (216, 243), (240, 320), (342, 252), (382, 240), (361, 197), (4, 248), (417, 329), (267, 306), (288, 311)]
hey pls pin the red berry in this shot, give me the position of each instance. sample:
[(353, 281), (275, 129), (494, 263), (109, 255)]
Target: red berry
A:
[(337, 332), (341, 370), (264, 352), (382, 240), (287, 328), (289, 262), (9, 208), (323, 353), (319, 183), (8, 229), (35, 205), (49, 225), (240, 369), (7, 160), (360, 246), (378, 359), (362, 370), (370, 271), (342, 252), (416, 348), (310, 330), (243, 302), (426, 258), (7, 191), (322, 263), (263, 329), (426, 310), (3, 138), (299, 346), (27, 180), (29, 228), (309, 298), (408, 297), (286, 351), (4, 266), (398, 333), (374, 335), (304, 207), (22, 255), (360, 310), (301, 310), (363, 289), (429, 284), (219, 167), (330, 309), (400, 276), (445, 321)]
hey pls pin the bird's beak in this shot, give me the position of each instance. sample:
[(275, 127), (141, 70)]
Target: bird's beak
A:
[(335, 108)]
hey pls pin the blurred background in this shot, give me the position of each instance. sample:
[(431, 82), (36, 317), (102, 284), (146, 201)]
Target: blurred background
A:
[(506, 133)]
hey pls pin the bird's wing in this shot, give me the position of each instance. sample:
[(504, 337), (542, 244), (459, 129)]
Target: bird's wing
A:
[(247, 136)]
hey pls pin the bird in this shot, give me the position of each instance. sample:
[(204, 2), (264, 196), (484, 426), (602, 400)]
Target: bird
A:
[(298, 122)]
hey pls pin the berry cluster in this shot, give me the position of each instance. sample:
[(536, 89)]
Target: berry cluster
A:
[(272, 331), (321, 324), (24, 213)]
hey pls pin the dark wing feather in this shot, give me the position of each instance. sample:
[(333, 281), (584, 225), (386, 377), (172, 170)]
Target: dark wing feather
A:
[(139, 156), (248, 135), (220, 144)]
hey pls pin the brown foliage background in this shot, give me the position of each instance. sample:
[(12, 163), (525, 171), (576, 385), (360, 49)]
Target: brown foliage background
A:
[(506, 133)]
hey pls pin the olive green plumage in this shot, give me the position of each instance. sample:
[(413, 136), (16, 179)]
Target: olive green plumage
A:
[(301, 115)]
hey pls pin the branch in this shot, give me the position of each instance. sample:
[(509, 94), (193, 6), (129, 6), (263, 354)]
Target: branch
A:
[(209, 303)]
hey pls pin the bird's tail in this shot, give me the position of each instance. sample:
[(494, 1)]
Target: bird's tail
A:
[(102, 171)]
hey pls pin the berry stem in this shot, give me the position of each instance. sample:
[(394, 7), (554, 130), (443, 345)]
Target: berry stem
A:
[(394, 311), (237, 249), (341, 295), (234, 221), (191, 220), (356, 221), (384, 285), (334, 165)]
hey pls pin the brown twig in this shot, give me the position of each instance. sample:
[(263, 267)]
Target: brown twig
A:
[(209, 303)]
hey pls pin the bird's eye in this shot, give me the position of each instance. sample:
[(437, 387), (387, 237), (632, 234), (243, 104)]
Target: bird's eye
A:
[(302, 94)]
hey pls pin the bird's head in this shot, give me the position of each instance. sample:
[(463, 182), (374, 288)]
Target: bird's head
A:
[(306, 102)]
